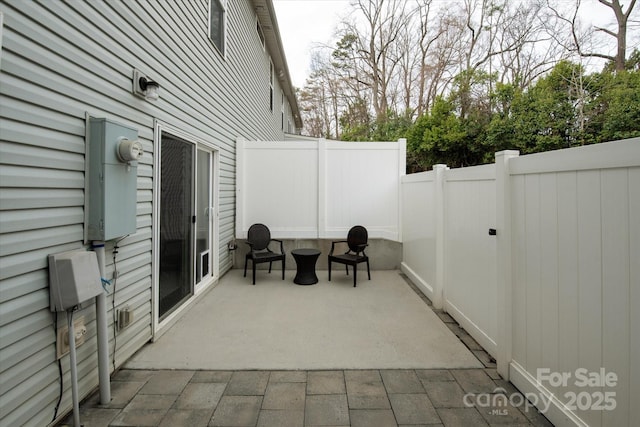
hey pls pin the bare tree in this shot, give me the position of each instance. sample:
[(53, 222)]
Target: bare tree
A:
[(443, 59), (320, 98), (384, 20), (429, 33), (620, 35), (578, 36), (534, 52)]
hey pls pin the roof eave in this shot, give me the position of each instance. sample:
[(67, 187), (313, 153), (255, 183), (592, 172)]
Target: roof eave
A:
[(267, 17)]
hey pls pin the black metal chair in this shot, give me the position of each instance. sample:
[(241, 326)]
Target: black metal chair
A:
[(258, 239), (357, 241)]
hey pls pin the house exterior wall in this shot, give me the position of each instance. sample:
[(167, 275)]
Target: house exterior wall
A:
[(61, 62)]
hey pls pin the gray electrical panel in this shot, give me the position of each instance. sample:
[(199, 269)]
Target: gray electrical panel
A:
[(74, 277), (113, 150)]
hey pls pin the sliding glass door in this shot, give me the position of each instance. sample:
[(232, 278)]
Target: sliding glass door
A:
[(186, 220), (177, 195)]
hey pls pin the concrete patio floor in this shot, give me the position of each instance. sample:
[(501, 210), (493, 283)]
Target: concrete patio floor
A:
[(271, 387), (276, 324)]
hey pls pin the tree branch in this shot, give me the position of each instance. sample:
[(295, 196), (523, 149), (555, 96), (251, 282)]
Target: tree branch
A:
[(606, 31)]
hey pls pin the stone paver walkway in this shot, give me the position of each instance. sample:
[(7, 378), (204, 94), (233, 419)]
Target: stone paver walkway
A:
[(368, 398)]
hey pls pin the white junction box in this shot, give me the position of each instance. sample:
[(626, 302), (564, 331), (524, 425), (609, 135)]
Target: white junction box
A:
[(74, 277)]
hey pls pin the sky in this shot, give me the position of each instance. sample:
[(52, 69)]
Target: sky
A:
[(304, 24)]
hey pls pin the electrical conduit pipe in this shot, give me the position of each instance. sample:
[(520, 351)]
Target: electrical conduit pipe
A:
[(103, 334)]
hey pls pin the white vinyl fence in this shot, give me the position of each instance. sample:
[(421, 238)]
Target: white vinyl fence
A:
[(555, 293), (318, 188)]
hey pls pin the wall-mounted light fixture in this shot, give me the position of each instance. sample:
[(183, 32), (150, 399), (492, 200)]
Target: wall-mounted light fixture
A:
[(145, 87)]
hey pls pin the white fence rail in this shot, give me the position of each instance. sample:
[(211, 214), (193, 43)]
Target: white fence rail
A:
[(556, 292), (319, 188)]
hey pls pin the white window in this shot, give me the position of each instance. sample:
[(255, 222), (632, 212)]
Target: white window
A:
[(217, 23)]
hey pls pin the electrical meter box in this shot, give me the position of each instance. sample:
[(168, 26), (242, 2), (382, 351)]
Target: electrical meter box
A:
[(112, 168), (74, 277)]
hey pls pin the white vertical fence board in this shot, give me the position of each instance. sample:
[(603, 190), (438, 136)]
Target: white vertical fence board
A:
[(457, 202), (518, 223), (568, 320), (590, 279), (322, 188), (615, 292), (438, 297), (634, 289), (532, 273), (418, 230), (548, 232)]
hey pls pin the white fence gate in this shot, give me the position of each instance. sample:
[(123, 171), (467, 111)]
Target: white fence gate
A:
[(470, 287)]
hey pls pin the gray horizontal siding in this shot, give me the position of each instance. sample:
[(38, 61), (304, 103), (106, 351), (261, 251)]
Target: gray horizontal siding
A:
[(14, 331), (12, 221), (27, 177), (15, 353), (15, 310), (20, 372), (21, 285), (34, 239), (34, 198)]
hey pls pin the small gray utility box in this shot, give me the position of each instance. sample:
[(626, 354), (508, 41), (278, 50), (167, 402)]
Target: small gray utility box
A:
[(113, 150), (74, 277)]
